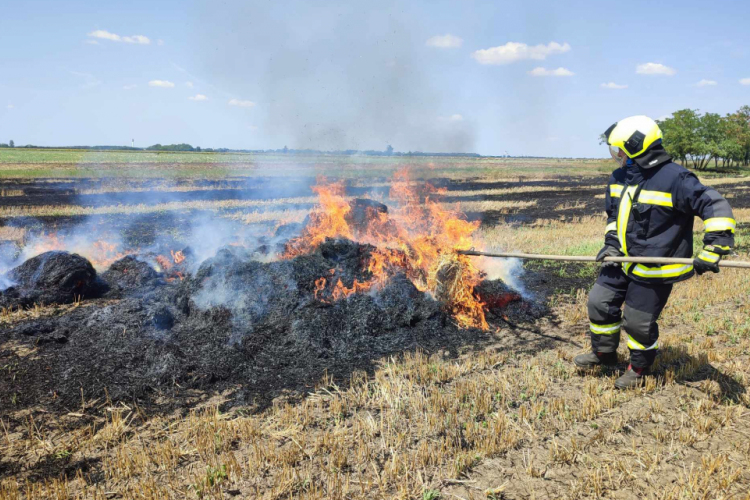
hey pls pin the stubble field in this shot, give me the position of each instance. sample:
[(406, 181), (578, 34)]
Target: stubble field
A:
[(494, 414)]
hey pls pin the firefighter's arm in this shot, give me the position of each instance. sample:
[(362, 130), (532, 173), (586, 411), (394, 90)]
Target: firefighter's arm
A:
[(611, 246), (611, 203), (709, 205)]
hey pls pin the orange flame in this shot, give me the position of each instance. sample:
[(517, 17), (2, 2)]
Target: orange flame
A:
[(177, 256), (419, 238), (100, 253)]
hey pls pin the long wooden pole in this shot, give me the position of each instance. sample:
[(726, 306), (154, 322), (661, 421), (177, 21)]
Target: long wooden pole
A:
[(579, 258)]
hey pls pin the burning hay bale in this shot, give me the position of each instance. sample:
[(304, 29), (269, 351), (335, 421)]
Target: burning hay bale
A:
[(130, 275), (454, 284), (51, 278), (365, 215), (359, 282)]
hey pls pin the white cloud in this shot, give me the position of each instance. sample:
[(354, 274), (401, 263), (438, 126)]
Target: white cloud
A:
[(92, 42), (161, 83), (550, 72), (613, 85), (445, 41), (706, 83), (514, 51), (10, 106), (654, 69), (189, 85), (129, 87), (106, 35), (198, 97), (745, 81), (240, 103), (452, 118)]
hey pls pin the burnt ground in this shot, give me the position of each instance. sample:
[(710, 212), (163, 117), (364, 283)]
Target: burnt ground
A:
[(141, 228), (578, 193)]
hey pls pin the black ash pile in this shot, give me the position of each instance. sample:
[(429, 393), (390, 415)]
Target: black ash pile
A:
[(254, 328)]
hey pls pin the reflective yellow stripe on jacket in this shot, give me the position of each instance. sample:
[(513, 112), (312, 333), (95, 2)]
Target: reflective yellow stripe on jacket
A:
[(623, 215), (720, 224), (655, 198), (615, 190), (668, 271), (709, 256)]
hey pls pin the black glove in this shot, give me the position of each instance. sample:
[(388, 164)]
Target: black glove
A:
[(709, 258), (608, 251)]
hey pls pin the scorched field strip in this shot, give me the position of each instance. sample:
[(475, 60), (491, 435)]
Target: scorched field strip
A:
[(347, 352)]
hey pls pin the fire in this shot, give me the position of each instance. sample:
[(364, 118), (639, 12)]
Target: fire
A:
[(164, 263), (100, 253), (172, 268), (177, 256), (329, 220), (419, 238)]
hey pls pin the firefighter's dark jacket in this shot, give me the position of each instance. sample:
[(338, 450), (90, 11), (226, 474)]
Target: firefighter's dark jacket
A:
[(650, 213)]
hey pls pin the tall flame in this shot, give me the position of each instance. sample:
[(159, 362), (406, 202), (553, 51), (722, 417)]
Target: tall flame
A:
[(419, 237)]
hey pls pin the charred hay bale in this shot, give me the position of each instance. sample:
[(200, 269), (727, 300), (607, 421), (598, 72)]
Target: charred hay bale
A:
[(254, 292), (51, 278), (508, 304), (349, 258), (225, 259), (130, 275), (362, 324), (495, 294), (363, 211), (369, 216), (403, 305), (398, 305)]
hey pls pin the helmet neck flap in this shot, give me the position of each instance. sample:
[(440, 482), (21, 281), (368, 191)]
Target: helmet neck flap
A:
[(655, 155)]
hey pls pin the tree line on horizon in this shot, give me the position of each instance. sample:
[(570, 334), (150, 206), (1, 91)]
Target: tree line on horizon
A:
[(183, 147), (697, 139)]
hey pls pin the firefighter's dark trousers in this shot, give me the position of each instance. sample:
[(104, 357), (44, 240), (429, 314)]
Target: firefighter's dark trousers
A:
[(643, 305)]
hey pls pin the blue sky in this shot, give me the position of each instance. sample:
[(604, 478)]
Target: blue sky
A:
[(522, 77)]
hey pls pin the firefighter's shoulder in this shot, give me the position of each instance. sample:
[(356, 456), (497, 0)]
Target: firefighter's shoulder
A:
[(674, 169), (618, 176)]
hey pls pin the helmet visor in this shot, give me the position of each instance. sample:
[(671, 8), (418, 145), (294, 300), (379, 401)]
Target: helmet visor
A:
[(618, 155)]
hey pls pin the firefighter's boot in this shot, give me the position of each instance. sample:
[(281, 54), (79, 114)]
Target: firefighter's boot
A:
[(593, 359), (631, 378)]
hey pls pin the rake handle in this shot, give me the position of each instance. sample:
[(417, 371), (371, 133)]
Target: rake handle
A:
[(579, 258)]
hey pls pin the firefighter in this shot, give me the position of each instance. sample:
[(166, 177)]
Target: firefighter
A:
[(650, 203)]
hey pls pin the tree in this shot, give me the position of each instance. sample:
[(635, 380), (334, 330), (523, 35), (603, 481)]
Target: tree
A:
[(712, 138), (389, 150), (12, 144), (682, 135)]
